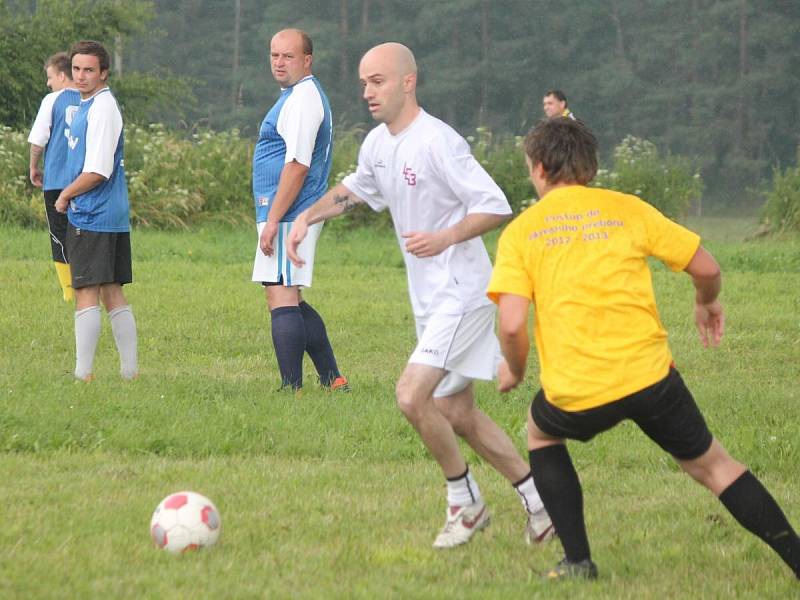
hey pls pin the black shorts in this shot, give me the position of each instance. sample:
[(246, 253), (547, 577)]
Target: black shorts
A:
[(99, 257), (57, 225), (665, 411)]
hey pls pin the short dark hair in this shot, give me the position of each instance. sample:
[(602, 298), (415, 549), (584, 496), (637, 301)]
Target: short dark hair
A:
[(566, 148), (92, 48), (61, 62), (558, 94)]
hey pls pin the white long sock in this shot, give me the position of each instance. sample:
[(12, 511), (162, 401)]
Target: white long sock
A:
[(529, 495), (87, 332), (123, 326), (463, 490)]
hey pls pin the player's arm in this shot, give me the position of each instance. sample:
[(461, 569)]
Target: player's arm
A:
[(83, 183), (514, 342), (293, 175), (35, 173), (335, 202), (424, 244), (708, 313)]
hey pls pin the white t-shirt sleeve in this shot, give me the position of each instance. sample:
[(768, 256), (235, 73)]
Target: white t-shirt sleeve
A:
[(40, 132), (102, 135), (299, 122), (453, 161), (362, 183)]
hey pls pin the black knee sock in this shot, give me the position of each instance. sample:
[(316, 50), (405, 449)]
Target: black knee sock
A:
[(756, 510), (560, 490), (289, 339), (318, 346)]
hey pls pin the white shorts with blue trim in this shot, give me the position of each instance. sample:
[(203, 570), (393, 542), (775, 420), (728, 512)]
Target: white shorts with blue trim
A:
[(463, 345), (278, 267)]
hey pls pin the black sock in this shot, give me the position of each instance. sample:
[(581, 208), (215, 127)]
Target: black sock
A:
[(289, 339), (756, 510), (560, 490), (318, 346)]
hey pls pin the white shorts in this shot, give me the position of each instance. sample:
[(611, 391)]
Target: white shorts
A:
[(278, 267), (463, 345)]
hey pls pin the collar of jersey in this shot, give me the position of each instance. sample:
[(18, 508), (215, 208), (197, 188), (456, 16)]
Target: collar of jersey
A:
[(298, 81)]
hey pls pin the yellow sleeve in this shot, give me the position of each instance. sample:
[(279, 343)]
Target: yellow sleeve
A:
[(671, 243), (510, 275)]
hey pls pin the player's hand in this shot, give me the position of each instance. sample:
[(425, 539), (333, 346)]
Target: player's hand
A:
[(62, 204), (424, 244), (506, 380), (296, 235), (267, 238), (36, 176), (710, 321)]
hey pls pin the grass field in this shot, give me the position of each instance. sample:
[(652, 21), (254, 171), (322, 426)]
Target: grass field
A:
[(333, 495)]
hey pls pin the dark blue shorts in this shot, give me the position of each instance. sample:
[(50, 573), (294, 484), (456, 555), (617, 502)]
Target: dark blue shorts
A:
[(665, 411)]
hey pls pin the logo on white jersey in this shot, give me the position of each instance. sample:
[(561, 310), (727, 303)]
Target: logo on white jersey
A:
[(69, 113), (409, 175), (379, 164)]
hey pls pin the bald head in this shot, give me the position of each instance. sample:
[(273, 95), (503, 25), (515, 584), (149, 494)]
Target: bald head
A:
[(393, 57), (388, 74)]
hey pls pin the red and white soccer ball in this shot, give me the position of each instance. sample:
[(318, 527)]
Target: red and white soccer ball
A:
[(185, 521)]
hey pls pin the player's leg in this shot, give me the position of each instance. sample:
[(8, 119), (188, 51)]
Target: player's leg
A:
[(678, 426), (747, 500), (57, 227), (84, 251), (559, 486), (320, 350), (466, 512), (120, 313), (123, 327), (288, 333), (493, 444)]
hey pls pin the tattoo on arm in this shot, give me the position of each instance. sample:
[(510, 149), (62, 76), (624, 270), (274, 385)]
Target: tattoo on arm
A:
[(346, 201)]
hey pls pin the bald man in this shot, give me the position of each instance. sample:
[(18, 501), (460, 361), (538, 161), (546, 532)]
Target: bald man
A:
[(441, 201), (291, 163)]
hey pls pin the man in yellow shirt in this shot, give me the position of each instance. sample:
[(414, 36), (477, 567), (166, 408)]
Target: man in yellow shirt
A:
[(580, 255)]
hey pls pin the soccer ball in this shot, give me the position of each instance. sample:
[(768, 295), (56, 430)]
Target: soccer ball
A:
[(185, 521)]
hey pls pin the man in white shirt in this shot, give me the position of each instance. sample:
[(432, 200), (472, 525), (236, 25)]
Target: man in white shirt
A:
[(441, 201)]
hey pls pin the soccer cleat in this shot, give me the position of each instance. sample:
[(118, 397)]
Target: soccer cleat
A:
[(584, 569), (462, 523), (539, 527), (339, 385)]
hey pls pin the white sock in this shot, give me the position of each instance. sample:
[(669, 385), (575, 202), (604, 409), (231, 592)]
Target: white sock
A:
[(124, 327), (462, 491), (87, 332), (529, 495)]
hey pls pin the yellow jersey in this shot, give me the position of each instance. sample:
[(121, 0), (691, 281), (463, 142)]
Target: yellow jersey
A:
[(580, 255)]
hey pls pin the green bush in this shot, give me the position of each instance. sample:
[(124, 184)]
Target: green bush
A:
[(669, 183), (503, 158), (173, 181), (781, 212), (20, 202)]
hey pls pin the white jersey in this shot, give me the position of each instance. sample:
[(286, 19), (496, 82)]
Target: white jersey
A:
[(428, 179)]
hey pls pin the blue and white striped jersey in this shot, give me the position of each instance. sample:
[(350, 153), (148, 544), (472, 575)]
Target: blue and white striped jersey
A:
[(96, 144), (51, 131), (298, 127)]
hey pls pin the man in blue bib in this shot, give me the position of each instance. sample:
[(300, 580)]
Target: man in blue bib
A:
[(96, 203)]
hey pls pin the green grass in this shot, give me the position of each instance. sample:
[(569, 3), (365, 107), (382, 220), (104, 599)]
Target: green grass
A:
[(334, 495)]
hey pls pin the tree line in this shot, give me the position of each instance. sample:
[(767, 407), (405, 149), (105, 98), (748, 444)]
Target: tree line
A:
[(712, 80)]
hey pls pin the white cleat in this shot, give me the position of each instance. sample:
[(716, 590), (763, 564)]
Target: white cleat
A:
[(539, 527), (462, 523)]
